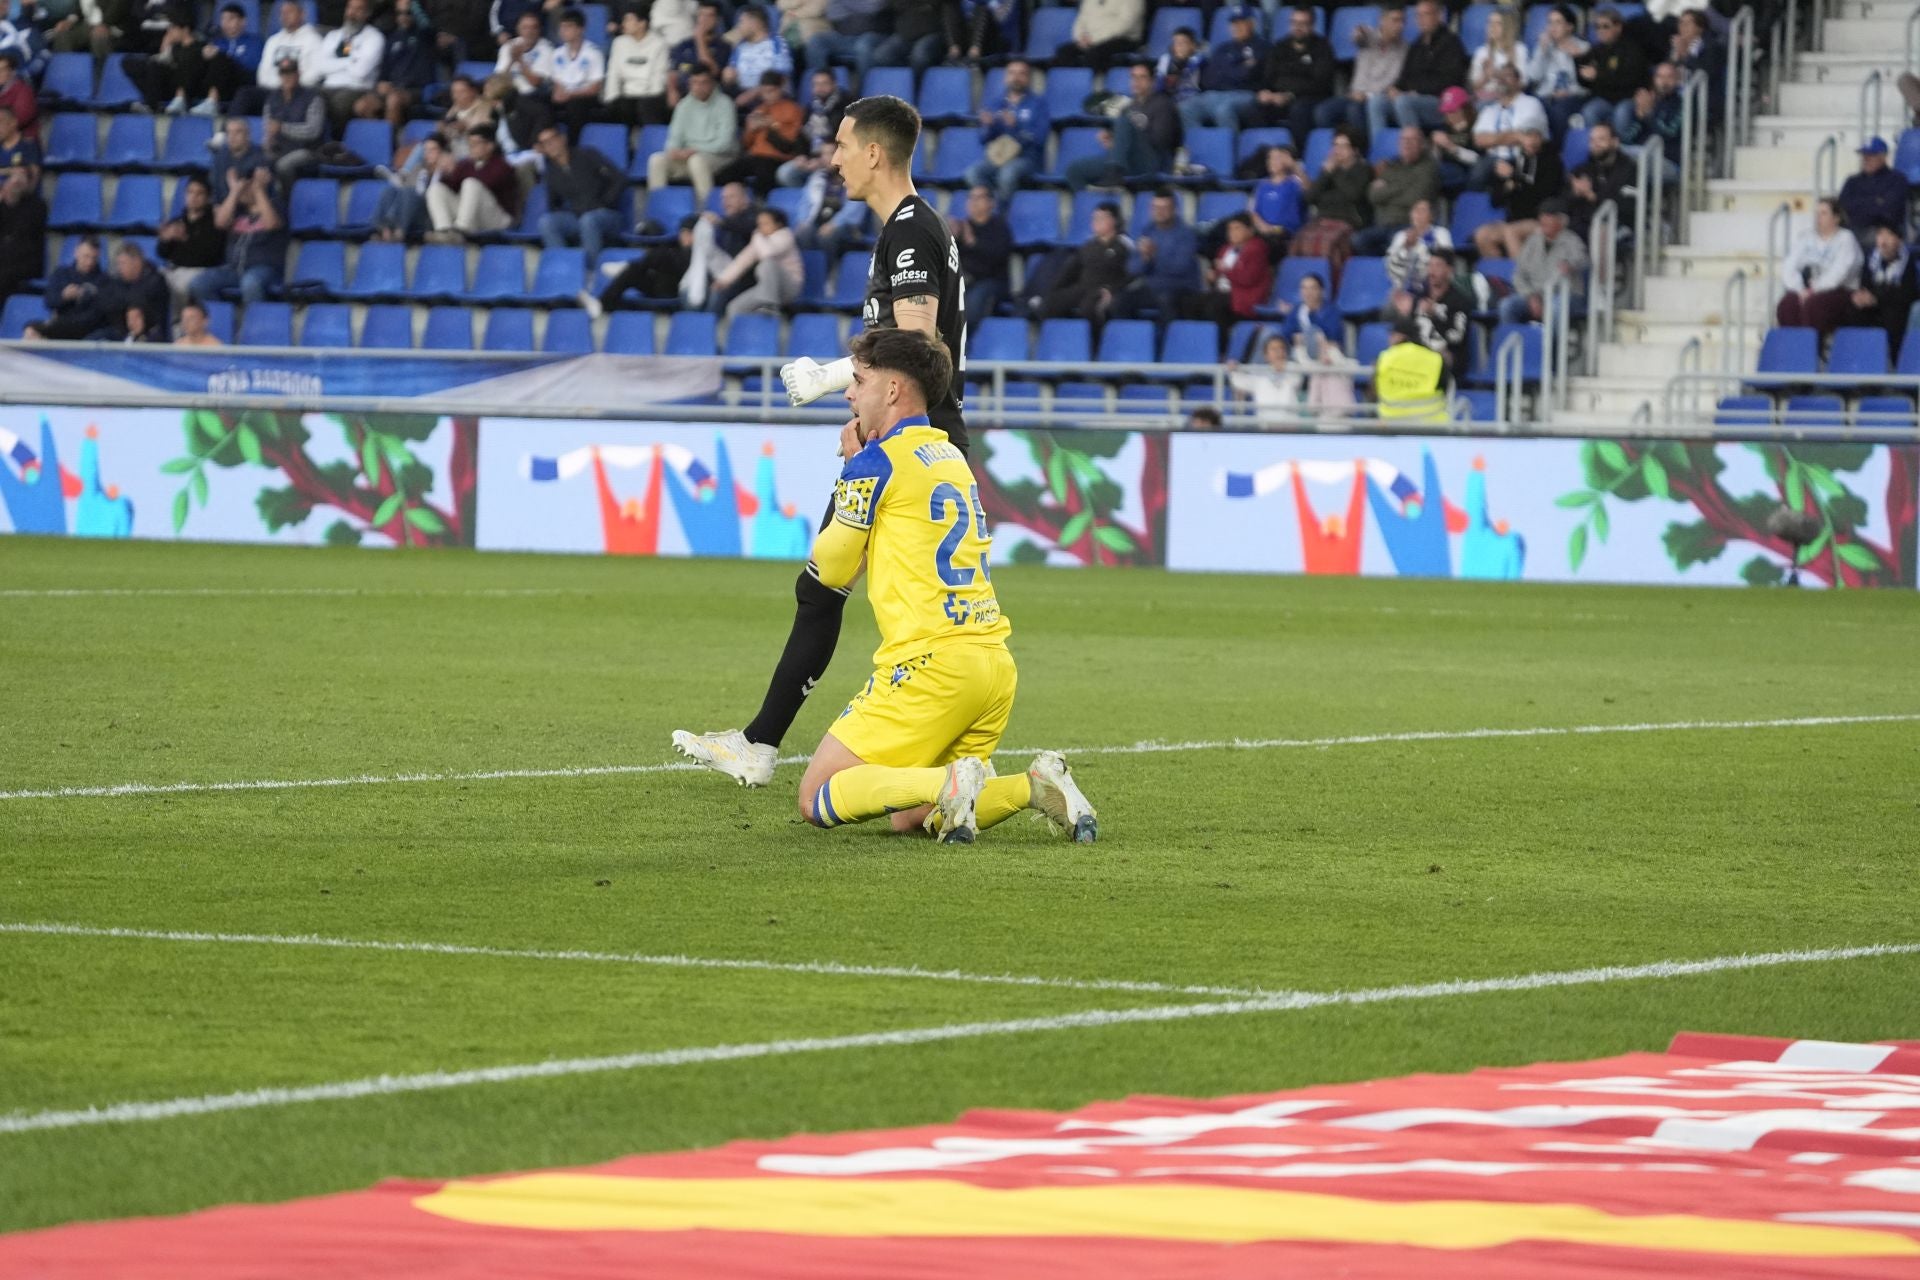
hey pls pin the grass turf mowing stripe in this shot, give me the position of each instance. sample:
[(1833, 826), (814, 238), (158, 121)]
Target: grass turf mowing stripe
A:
[(1137, 748), (343, 1090), (817, 967)]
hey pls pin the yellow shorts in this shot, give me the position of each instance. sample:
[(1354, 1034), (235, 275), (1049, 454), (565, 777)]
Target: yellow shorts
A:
[(933, 709)]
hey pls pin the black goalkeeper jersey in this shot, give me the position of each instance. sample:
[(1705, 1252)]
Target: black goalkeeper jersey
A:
[(918, 256)]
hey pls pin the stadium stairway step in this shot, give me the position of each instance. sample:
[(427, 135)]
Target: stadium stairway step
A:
[(1808, 132), (1866, 35), (1760, 195), (1613, 399), (1786, 164)]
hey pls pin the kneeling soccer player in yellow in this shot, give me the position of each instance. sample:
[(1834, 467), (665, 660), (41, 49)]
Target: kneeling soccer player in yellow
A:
[(914, 743)]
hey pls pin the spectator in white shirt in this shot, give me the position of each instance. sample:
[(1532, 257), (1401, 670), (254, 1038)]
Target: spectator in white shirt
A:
[(347, 63), (1274, 388), (1821, 271), (756, 51), (1500, 124), (297, 39), (528, 57), (577, 72), (1502, 50), (673, 19), (637, 66)]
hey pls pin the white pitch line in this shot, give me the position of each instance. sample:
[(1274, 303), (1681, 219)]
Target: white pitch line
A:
[(1282, 1002), (817, 967), (1129, 749), (85, 593)]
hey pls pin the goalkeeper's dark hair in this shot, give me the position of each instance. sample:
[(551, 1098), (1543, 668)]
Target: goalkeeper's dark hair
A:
[(911, 353), (892, 122)]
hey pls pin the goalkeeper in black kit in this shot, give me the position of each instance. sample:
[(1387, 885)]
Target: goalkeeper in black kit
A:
[(914, 282)]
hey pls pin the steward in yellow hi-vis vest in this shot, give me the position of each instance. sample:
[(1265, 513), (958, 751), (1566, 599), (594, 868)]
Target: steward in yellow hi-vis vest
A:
[(1409, 378), (915, 741)]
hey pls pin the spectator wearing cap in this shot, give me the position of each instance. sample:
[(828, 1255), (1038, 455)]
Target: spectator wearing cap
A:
[(1878, 193), (1886, 293), (703, 138), (1552, 68), (636, 89), (1296, 83), (1498, 129), (1142, 141), (23, 232), (19, 153), (1822, 271), (476, 195), (1278, 205), (1014, 129), (296, 125), (1408, 376), (1165, 266), (1104, 32), (1436, 61), (1453, 145), (1230, 77), (347, 63), (1612, 71), (1411, 178), (1381, 53), (1518, 189), (925, 33), (1551, 252), (583, 192), (757, 49), (17, 96), (775, 135)]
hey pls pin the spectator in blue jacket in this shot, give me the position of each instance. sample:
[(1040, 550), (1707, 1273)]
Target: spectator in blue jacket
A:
[(191, 74), (1877, 194), (1230, 79), (1165, 266), (1014, 129), (1313, 316)]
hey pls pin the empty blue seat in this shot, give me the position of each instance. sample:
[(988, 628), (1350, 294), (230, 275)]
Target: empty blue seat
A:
[(610, 140), (115, 89), (1743, 411), (1211, 150), (129, 143), (752, 338), (1141, 397), (1790, 350), (569, 332), (1372, 340), (1088, 396), (693, 333), (1168, 20), (629, 333), (1484, 372), (321, 268), (1908, 365), (72, 142), (1215, 205), (448, 329), (1883, 412), (1820, 413), (380, 272), (371, 140), (76, 202), (1253, 141), (1064, 341), (1471, 211), (946, 94), (558, 275), (998, 338), (508, 329), (815, 334), (186, 145), (68, 79), (220, 321), (363, 199), (267, 324), (1191, 342), (1048, 28), (328, 324), (136, 203), (314, 207), (1080, 218), (1077, 143), (21, 310), (1319, 146), (1034, 217), (387, 327), (1286, 281), (653, 138), (1127, 342), (849, 289), (1364, 287), (667, 207), (894, 81), (1574, 149), (501, 276), (1861, 352), (1473, 24), (439, 272), (959, 150), (1345, 19), (1384, 146), (1066, 92)]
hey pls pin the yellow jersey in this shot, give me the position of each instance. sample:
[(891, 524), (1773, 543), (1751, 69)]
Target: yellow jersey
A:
[(912, 496)]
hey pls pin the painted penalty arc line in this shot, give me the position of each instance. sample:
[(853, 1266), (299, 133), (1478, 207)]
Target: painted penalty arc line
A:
[(432, 1081), (1125, 749), (817, 968)]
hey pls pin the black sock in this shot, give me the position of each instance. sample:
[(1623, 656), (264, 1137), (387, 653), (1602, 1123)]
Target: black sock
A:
[(810, 646)]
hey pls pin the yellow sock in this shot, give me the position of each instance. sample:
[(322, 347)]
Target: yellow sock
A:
[(1001, 798), (871, 790)]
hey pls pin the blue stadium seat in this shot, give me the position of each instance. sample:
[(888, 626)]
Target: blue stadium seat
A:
[(1574, 149), (1906, 155), (371, 140), (993, 86), (896, 81), (751, 338), (1743, 411), (267, 324), (1372, 340), (629, 333), (1319, 144), (21, 310), (1471, 211), (476, 70), (1076, 143), (1483, 371), (115, 90), (532, 208), (1090, 397), (363, 198), (220, 321), (1127, 342), (1066, 92), (185, 149), (500, 276), (1064, 342), (693, 333), (1215, 205), (68, 79), (330, 324), (849, 290), (814, 274), (314, 207), (508, 329), (415, 132), (1080, 218), (1168, 20), (1385, 146), (1532, 25), (946, 94), (1820, 413), (136, 203), (1212, 150), (569, 333), (1881, 412), (558, 275), (1908, 365), (998, 338), (439, 272), (1345, 19), (387, 327), (1244, 340), (610, 140), (1286, 281), (1034, 217), (815, 334), (1789, 351), (1252, 141), (1363, 287), (653, 137), (448, 329), (129, 143), (1190, 342), (1119, 82), (1861, 352), (72, 142), (1047, 30), (76, 202), (1473, 25), (1141, 397), (380, 272), (668, 206), (320, 269), (788, 201)]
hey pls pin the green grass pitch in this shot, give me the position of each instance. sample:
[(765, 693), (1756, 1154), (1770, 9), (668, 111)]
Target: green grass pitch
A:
[(1295, 868)]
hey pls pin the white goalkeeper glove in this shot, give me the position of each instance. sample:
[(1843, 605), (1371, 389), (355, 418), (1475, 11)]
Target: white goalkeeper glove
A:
[(807, 379)]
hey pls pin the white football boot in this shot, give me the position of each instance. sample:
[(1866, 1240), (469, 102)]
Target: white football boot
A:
[(952, 814), (748, 763), (1056, 795)]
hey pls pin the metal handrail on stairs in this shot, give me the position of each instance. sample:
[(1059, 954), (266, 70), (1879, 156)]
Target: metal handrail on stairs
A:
[(1694, 130), (1556, 315), (1738, 118), (1509, 372), (1913, 38), (1650, 184), (1779, 242), (1870, 88), (1604, 232), (1826, 168), (1733, 322)]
